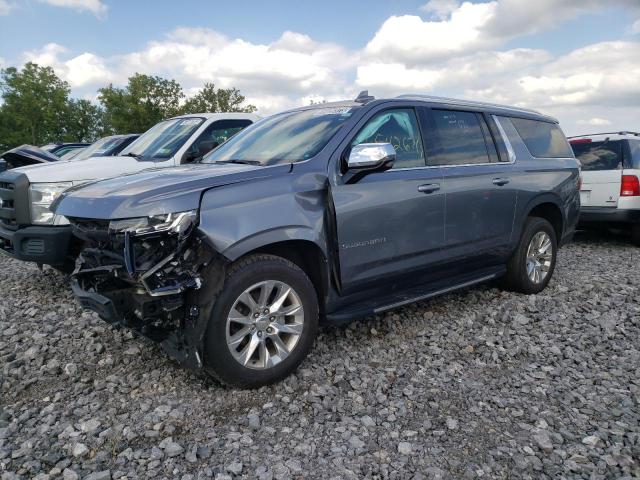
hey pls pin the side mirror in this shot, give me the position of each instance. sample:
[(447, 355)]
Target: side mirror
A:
[(3, 165), (371, 156)]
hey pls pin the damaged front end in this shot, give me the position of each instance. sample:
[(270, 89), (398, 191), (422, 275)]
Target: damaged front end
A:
[(148, 274)]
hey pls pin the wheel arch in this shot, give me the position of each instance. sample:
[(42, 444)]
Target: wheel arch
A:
[(298, 245), (550, 208)]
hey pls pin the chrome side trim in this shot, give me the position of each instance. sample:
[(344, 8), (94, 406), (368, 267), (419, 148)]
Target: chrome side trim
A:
[(434, 294)]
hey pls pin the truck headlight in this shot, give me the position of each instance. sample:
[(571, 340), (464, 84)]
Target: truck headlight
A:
[(41, 196), (179, 223)]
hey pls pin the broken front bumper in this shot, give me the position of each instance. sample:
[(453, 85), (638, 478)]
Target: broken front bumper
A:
[(160, 294)]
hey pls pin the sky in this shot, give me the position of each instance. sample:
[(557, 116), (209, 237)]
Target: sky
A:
[(578, 60)]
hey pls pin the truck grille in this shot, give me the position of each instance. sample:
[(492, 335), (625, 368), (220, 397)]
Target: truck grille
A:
[(7, 207)]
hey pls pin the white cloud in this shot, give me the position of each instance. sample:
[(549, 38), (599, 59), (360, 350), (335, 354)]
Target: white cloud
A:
[(460, 51), (285, 73), (469, 27), (595, 122), (5, 7), (82, 70), (96, 7), (440, 8), (635, 28), (519, 17), (292, 65), (411, 40)]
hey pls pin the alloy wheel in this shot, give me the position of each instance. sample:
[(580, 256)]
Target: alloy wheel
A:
[(539, 257), (264, 324)]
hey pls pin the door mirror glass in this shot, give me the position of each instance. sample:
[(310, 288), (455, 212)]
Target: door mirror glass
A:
[(371, 156)]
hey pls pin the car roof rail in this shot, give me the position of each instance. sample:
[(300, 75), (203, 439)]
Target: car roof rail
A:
[(623, 132), (469, 103), (364, 97)]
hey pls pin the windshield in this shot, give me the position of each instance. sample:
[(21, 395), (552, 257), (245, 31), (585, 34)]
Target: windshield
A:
[(283, 138), (99, 148), (164, 139)]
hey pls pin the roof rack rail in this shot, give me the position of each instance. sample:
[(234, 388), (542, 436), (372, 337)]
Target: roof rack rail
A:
[(458, 101), (623, 132)]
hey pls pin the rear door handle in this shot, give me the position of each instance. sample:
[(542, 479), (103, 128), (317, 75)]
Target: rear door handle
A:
[(500, 181), (429, 187)]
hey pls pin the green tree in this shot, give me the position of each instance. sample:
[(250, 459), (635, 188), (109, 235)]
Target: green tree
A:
[(33, 107), (212, 100), (141, 104), (84, 121)]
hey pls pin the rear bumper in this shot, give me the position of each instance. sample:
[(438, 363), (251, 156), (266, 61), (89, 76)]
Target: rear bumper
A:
[(44, 245), (595, 215)]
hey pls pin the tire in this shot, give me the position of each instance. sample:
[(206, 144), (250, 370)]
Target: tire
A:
[(517, 278), (270, 361), (635, 235)]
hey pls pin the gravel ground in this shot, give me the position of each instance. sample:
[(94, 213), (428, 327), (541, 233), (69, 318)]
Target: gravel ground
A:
[(479, 383)]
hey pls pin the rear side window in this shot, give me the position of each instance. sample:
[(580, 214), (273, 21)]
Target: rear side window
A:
[(594, 156), (457, 138), (543, 139), (634, 147)]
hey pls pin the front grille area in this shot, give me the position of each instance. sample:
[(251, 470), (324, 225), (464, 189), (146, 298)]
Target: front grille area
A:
[(7, 207)]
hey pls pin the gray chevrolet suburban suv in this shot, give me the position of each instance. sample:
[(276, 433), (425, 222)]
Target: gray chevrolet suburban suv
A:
[(328, 212)]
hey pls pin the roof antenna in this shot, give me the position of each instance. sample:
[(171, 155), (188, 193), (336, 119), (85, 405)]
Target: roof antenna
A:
[(364, 97)]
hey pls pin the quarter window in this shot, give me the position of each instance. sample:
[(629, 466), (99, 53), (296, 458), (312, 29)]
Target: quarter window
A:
[(543, 139), (457, 138), (594, 156), (399, 127)]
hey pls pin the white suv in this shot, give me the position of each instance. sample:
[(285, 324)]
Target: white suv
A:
[(610, 192)]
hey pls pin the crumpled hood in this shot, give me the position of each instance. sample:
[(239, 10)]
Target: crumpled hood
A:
[(93, 168), (27, 155), (155, 192)]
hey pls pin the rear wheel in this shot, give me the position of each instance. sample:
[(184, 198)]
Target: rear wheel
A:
[(263, 323), (532, 264)]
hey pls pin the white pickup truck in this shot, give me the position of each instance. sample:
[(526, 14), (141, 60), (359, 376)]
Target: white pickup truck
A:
[(29, 231)]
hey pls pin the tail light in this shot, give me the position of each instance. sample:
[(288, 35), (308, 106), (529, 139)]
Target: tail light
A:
[(630, 186)]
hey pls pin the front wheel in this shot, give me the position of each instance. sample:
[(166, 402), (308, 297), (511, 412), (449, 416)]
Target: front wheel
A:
[(532, 264), (263, 322)]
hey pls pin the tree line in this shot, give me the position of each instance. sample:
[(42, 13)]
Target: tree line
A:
[(37, 107)]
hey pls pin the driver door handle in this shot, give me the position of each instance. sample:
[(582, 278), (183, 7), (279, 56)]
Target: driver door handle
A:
[(500, 181), (429, 187)]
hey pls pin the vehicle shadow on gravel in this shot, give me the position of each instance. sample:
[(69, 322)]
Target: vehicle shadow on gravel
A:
[(604, 237)]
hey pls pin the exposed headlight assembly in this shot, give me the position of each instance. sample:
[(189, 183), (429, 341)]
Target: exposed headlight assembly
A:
[(41, 197), (179, 223)]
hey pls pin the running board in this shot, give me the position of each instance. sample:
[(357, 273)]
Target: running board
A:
[(433, 294), (409, 296)]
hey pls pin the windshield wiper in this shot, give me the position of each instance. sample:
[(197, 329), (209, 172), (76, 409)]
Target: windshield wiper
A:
[(240, 162), (137, 156)]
